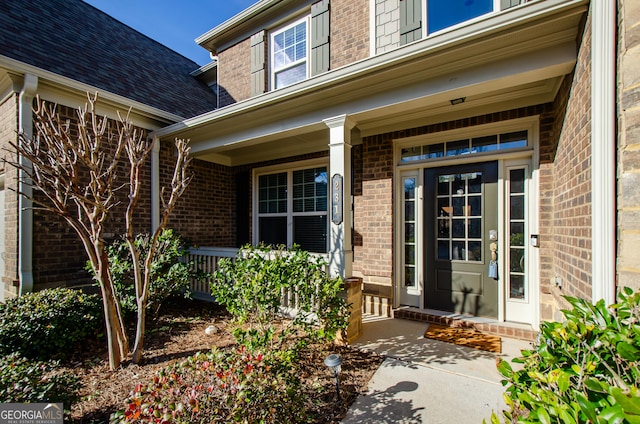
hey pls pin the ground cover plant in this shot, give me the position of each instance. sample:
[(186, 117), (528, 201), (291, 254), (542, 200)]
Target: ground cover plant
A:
[(583, 370)]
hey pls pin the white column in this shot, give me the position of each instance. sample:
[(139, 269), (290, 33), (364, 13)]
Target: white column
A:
[(340, 249), (155, 184), (25, 211), (603, 153)]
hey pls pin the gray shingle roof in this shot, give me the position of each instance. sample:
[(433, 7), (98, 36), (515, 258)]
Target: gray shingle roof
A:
[(76, 40)]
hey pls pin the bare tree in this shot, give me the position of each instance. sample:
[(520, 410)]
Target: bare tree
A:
[(76, 171)]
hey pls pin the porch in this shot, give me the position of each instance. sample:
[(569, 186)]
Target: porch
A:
[(373, 304)]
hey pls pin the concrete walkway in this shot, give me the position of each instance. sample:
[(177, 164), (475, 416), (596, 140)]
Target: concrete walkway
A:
[(428, 381)]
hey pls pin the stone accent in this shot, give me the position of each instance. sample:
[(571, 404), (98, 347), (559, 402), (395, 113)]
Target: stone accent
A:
[(628, 143), (349, 29), (387, 25)]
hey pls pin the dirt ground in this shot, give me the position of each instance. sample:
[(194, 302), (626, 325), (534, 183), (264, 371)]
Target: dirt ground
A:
[(180, 333)]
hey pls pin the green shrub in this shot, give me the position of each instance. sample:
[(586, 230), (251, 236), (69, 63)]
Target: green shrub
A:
[(24, 381), (218, 387), (251, 288), (171, 275), (585, 369), (49, 323)]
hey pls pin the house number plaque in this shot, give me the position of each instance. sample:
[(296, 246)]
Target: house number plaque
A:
[(336, 199)]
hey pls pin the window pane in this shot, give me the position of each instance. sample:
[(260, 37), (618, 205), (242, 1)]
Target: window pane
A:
[(273, 230), (291, 75), (516, 237), (310, 232), (517, 207), (445, 13), (484, 144), (458, 228), (443, 250), (272, 193), (455, 148), (475, 251), (516, 180), (475, 228), (310, 190), (513, 140), (433, 151), (516, 287), (459, 252)]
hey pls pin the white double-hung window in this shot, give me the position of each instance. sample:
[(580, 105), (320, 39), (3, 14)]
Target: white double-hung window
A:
[(289, 54), (291, 207)]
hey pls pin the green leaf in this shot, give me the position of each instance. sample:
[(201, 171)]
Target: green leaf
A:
[(587, 407), (629, 402), (543, 415), (595, 385), (613, 414), (564, 379), (505, 369), (628, 352)]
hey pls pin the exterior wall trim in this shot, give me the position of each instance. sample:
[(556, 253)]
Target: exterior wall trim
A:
[(603, 151)]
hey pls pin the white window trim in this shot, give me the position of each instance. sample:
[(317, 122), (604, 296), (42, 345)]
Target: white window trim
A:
[(276, 31), (289, 168)]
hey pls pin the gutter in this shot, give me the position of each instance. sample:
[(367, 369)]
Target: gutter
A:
[(25, 191)]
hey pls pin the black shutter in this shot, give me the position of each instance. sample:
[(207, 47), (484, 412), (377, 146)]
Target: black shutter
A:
[(319, 37), (258, 64), (410, 21)]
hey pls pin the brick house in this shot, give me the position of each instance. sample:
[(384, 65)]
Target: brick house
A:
[(472, 158)]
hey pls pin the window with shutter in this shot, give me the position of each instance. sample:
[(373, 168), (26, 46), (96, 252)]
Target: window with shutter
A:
[(289, 52)]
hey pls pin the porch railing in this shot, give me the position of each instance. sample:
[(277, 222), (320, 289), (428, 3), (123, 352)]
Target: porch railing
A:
[(206, 259)]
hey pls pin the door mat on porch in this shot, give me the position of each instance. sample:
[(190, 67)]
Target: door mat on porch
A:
[(461, 336)]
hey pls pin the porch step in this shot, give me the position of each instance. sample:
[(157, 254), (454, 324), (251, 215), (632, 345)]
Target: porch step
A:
[(502, 329)]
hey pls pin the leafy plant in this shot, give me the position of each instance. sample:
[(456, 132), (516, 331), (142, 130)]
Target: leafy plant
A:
[(583, 370), (252, 288), (22, 380), (49, 322), (217, 387), (171, 275)]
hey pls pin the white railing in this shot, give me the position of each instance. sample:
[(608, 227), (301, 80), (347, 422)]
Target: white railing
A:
[(206, 259)]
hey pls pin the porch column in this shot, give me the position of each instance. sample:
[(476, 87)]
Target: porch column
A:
[(340, 249), (25, 220)]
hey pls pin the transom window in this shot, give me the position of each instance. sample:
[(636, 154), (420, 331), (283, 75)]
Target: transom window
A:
[(292, 208), (443, 14), (466, 146), (289, 54)]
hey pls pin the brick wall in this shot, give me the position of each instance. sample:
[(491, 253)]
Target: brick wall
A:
[(234, 73), (205, 212), (628, 143), (8, 128), (565, 179), (349, 32), (387, 25)]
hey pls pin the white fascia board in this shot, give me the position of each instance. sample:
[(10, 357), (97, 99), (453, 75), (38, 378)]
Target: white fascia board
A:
[(69, 84), (497, 23), (542, 65)]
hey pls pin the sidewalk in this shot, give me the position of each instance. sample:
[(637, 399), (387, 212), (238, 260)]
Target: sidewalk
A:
[(427, 381)]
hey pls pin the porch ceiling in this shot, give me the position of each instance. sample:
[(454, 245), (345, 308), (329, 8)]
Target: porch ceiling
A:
[(513, 59)]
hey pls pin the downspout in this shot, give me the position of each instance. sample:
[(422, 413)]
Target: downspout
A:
[(603, 153), (25, 211), (155, 184)]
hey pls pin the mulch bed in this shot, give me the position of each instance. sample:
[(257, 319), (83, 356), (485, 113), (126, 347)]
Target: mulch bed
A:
[(180, 333)]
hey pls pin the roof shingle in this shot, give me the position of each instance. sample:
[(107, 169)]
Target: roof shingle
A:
[(74, 39)]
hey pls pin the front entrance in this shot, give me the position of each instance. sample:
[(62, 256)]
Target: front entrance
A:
[(461, 239)]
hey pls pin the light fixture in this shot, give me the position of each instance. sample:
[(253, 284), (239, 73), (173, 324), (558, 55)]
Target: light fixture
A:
[(334, 362), (457, 101)]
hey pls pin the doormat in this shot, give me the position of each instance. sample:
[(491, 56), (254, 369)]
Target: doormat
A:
[(461, 336)]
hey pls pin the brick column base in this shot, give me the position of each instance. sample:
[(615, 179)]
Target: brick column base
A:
[(353, 295)]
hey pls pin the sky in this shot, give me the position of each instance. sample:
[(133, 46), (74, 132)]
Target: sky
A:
[(174, 23)]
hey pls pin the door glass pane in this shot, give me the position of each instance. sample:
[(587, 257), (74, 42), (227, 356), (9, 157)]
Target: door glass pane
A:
[(409, 260), (517, 224), (459, 235)]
